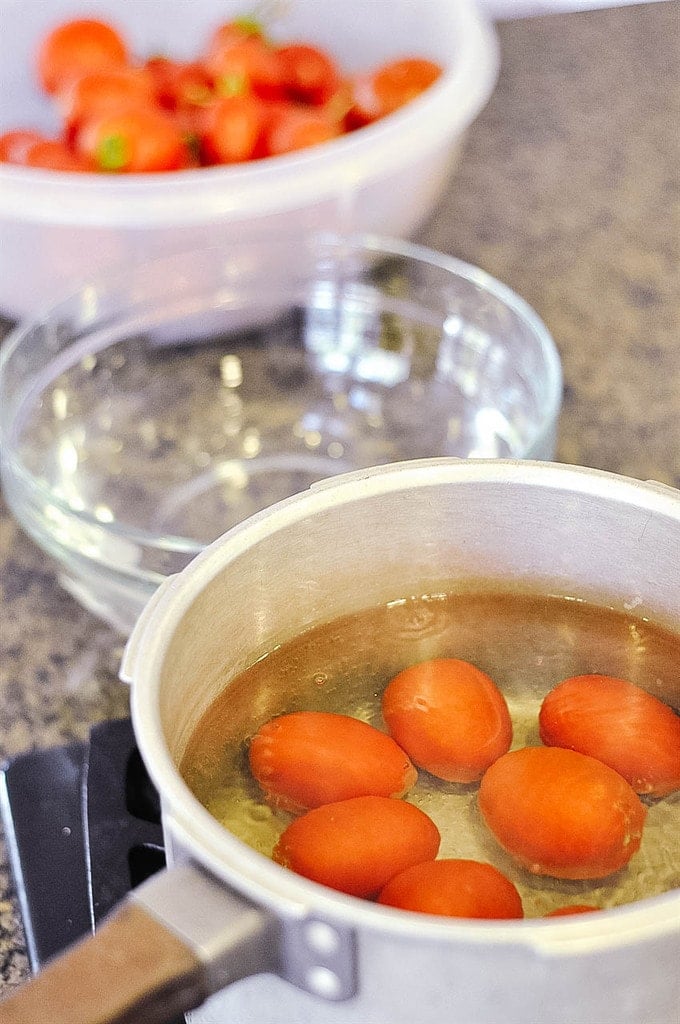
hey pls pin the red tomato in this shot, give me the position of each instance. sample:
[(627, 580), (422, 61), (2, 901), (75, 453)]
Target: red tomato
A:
[(230, 129), (449, 717), (309, 758), (249, 64), (14, 145), (339, 104), (357, 845), (75, 47), (104, 92), (55, 155), (293, 128), (618, 723), (390, 87), (308, 74), (234, 31), (561, 813), (573, 908), (134, 141), (453, 888), (179, 85)]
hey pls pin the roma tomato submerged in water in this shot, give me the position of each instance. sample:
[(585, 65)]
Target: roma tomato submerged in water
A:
[(619, 723), (309, 758), (454, 888), (561, 813), (450, 718), (356, 846)]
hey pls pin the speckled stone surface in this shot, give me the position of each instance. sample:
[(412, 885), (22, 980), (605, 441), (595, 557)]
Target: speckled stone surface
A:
[(569, 191)]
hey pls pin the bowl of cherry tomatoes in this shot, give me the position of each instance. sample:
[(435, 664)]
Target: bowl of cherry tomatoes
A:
[(126, 136)]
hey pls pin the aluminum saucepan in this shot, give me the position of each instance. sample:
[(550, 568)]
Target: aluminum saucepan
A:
[(228, 932)]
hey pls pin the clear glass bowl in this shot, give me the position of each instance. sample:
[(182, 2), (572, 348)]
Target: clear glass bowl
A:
[(147, 414)]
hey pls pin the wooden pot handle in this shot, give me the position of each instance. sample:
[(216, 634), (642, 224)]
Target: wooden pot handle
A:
[(173, 942), (131, 963)]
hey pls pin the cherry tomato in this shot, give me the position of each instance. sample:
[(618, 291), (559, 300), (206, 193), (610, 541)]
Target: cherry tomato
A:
[(14, 145), (309, 75), (339, 104), (392, 86), (249, 64), (573, 908), (453, 888), (357, 845), (449, 717), (55, 155), (74, 47), (309, 758), (235, 31), (230, 129), (104, 92), (292, 128), (134, 141), (618, 723), (180, 84), (561, 813)]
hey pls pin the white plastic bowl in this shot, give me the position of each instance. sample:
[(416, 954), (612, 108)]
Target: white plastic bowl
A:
[(56, 228)]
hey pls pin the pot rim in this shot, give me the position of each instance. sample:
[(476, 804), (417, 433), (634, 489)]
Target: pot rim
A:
[(254, 874)]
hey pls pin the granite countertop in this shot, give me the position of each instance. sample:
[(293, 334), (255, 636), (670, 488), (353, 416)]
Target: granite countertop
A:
[(569, 191)]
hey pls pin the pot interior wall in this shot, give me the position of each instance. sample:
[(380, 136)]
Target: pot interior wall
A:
[(543, 533)]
